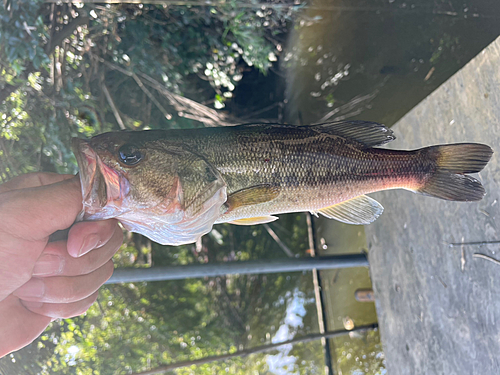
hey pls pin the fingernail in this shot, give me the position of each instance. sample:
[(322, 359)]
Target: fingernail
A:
[(31, 304), (48, 265), (90, 242), (35, 288)]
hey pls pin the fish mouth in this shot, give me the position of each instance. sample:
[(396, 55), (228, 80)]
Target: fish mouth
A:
[(103, 188)]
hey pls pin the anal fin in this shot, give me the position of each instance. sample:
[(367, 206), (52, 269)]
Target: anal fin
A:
[(360, 210), (254, 220)]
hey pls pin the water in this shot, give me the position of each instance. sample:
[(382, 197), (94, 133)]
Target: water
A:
[(383, 60), (373, 64)]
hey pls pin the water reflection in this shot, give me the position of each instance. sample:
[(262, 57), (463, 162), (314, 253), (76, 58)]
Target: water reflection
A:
[(393, 53), (283, 363)]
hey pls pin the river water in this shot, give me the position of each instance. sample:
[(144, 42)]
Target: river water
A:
[(372, 61)]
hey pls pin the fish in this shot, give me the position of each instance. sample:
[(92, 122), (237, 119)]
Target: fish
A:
[(174, 185)]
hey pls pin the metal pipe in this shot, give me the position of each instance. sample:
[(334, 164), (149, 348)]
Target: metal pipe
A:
[(128, 275)]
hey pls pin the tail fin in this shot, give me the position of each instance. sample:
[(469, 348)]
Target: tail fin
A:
[(453, 161)]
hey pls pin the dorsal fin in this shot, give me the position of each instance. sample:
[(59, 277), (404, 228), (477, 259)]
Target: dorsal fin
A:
[(367, 133)]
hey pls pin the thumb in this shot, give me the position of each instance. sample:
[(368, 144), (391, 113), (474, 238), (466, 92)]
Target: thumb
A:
[(35, 213)]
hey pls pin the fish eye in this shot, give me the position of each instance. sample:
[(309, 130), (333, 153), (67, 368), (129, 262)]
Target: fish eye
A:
[(130, 155)]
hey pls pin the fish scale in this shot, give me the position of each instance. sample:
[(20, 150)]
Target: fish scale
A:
[(173, 185), (338, 170)]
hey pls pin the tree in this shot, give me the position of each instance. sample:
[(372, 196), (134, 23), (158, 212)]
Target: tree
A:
[(69, 70), (82, 69)]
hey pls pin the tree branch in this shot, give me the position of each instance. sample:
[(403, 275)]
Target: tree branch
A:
[(189, 108), (185, 107), (275, 237), (57, 38), (113, 107), (167, 115)]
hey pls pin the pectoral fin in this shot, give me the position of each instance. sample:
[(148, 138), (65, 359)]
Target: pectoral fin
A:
[(252, 195), (360, 210), (254, 220)]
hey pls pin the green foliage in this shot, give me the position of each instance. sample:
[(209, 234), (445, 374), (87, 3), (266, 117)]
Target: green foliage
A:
[(22, 35), (174, 42), (14, 120), (56, 62)]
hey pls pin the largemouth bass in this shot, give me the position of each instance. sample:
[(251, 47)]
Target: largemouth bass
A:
[(174, 185)]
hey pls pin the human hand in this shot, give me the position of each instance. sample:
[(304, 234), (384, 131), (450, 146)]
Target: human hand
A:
[(41, 281)]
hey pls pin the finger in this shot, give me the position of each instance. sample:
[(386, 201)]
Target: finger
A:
[(27, 217), (63, 289), (61, 310), (55, 260), (89, 235), (17, 257), (33, 180), (19, 326), (34, 213)]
